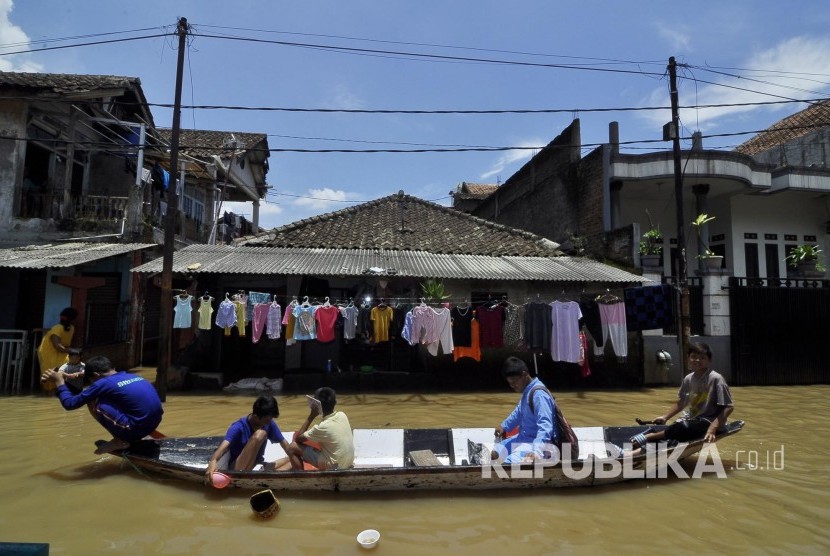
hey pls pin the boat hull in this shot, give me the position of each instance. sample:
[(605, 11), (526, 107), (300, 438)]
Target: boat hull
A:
[(186, 459)]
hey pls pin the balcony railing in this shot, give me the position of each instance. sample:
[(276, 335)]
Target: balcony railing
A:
[(81, 212)]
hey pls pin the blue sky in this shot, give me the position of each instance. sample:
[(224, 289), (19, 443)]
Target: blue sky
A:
[(734, 52)]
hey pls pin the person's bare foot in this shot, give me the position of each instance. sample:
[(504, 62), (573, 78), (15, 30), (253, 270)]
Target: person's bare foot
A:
[(113, 445)]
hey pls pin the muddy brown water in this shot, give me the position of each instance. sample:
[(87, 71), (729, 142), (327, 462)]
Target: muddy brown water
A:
[(55, 490)]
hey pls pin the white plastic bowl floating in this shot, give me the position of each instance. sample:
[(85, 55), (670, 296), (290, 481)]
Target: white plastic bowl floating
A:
[(368, 538)]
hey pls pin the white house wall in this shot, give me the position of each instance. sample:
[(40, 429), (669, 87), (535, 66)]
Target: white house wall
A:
[(782, 214)]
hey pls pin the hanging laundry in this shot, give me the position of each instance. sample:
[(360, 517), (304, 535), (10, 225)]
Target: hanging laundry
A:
[(274, 326), (398, 319), (648, 307), (364, 323), (443, 329), (241, 322), (614, 328), (585, 370), (183, 310), (290, 321), (590, 318), (474, 351), (325, 316), (423, 325), (349, 313), (205, 312), (305, 327), (381, 317), (462, 321), (512, 332), (491, 322), (253, 299), (406, 331), (226, 315), (564, 340), (259, 320), (538, 326)]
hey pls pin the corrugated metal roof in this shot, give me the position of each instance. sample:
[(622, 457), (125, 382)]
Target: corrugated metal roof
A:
[(63, 255), (226, 259)]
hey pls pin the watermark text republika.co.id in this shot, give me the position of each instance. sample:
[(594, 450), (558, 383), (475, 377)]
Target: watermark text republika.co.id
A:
[(657, 463)]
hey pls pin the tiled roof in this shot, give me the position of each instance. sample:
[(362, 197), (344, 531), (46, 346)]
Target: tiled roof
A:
[(477, 189), (265, 261), (65, 83), (403, 222), (63, 255), (792, 127), (205, 143)]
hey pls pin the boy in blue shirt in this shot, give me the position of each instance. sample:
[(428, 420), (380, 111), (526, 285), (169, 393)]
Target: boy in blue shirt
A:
[(125, 404), (245, 439)]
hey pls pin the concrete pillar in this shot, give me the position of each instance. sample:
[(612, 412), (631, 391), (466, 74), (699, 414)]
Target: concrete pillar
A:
[(614, 137), (255, 217), (716, 318)]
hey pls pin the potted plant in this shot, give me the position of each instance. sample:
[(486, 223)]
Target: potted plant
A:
[(434, 290), (651, 245), (805, 258), (651, 250), (709, 258)]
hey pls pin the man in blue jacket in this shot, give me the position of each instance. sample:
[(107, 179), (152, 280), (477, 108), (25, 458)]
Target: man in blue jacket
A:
[(125, 404), (534, 415)]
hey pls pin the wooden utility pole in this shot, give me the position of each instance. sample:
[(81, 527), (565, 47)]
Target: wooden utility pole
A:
[(166, 317), (684, 328)]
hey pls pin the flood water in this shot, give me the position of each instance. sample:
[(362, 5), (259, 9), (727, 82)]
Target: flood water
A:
[(55, 490)]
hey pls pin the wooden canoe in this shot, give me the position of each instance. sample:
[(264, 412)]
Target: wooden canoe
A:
[(400, 459)]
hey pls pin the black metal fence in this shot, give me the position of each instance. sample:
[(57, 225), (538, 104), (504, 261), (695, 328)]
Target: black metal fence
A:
[(780, 330)]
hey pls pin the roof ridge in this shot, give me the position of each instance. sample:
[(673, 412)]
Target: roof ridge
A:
[(540, 242), (46, 74)]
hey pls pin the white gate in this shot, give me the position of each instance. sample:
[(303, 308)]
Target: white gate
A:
[(12, 360)]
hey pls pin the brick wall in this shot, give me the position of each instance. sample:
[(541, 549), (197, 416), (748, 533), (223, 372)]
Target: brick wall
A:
[(542, 197)]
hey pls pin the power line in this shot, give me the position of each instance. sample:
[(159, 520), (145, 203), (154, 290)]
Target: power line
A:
[(486, 111), (736, 76), (126, 148), (93, 43), (418, 55), (433, 45), (76, 37)]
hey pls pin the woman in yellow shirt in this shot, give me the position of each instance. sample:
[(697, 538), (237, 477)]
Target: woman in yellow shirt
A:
[(54, 348)]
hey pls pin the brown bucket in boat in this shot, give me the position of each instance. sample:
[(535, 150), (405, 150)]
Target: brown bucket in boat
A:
[(265, 504)]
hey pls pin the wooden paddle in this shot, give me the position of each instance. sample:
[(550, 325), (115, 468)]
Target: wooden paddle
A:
[(641, 422)]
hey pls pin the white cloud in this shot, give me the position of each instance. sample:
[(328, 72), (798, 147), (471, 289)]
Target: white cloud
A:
[(345, 99), (11, 34), (677, 37), (510, 157), (322, 199), (772, 71)]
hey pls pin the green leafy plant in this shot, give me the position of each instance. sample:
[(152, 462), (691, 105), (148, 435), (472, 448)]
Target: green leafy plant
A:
[(433, 289), (651, 241), (805, 254), (579, 243), (698, 223)]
